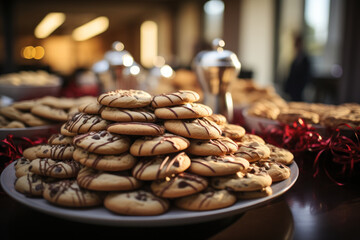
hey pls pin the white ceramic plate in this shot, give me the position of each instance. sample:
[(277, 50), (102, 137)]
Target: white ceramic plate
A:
[(102, 216)]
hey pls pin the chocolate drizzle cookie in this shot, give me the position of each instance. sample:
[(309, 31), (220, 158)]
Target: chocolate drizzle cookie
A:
[(185, 111), (164, 144), (102, 142), (178, 185), (215, 147), (57, 152), (125, 98), (252, 151), (161, 166), (137, 128), (172, 99), (128, 115), (199, 128), (56, 169), (83, 123)]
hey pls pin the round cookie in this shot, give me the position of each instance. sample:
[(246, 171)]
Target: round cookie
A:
[(251, 179), (128, 115), (57, 102), (24, 105), (161, 166), (120, 162), (248, 137), (68, 193), (27, 118), (31, 184), (56, 169), (252, 151), (137, 128), (83, 123), (219, 119), (102, 142), (59, 139), (65, 132), (199, 128), (185, 111), (136, 203), (94, 108), (51, 113), (289, 116), (209, 199), (280, 155), (217, 165), (164, 144), (21, 166), (57, 152), (264, 192), (178, 185), (30, 153), (125, 98), (93, 179), (219, 146), (233, 131), (172, 99), (276, 170)]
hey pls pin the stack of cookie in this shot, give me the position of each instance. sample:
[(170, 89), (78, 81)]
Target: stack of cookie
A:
[(139, 154)]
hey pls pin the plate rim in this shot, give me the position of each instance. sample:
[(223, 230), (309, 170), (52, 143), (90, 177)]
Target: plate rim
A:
[(171, 218)]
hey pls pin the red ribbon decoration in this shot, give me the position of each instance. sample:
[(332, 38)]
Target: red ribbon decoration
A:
[(12, 147), (301, 137)]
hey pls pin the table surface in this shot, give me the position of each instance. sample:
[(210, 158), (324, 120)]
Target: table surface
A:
[(314, 208)]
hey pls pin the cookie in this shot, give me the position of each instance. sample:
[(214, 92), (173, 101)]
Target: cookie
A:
[(31, 184), (56, 152), (65, 132), (217, 147), (248, 137), (288, 116), (125, 98), (15, 124), (233, 131), (27, 118), (120, 162), (264, 192), (128, 115), (209, 199), (68, 193), (56, 169), (277, 171), (83, 123), (161, 166), (219, 119), (252, 151), (185, 111), (30, 153), (251, 179), (264, 109), (178, 185), (217, 165), (280, 155), (137, 128), (24, 105), (93, 179), (164, 144), (136, 203), (91, 108), (102, 142), (57, 102), (21, 167), (172, 99), (59, 139), (51, 113), (199, 128)]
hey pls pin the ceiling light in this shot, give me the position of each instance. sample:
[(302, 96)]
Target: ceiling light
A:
[(91, 29), (49, 24)]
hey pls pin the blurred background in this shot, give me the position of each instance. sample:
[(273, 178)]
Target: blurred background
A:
[(315, 42)]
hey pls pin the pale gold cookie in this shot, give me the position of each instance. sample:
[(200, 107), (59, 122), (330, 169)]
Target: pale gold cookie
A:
[(125, 98), (173, 99), (128, 115), (185, 111), (215, 147), (252, 151)]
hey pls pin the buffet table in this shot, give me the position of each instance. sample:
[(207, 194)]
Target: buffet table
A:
[(314, 208)]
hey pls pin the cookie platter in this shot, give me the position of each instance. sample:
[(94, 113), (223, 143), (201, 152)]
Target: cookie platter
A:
[(130, 158), (175, 216)]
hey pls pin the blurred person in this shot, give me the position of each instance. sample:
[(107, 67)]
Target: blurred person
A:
[(300, 72)]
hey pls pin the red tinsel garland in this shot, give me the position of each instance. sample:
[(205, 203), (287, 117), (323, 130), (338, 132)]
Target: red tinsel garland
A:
[(11, 148), (300, 137)]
